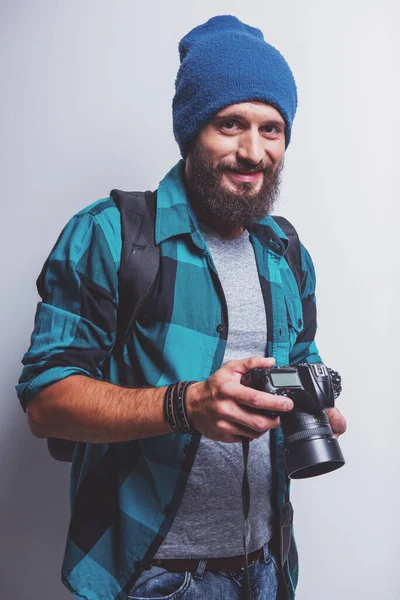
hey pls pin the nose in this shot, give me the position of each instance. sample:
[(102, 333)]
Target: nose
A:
[(251, 147)]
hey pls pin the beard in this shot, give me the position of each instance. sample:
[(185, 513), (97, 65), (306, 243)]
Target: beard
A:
[(239, 208)]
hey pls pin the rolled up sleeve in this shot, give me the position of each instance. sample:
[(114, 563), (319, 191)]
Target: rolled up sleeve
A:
[(75, 323)]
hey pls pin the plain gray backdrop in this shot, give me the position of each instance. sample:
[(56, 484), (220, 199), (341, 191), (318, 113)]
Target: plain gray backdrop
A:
[(86, 90)]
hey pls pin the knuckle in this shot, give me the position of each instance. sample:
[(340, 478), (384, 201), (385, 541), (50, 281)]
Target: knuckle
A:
[(224, 390), (259, 424), (252, 362), (276, 403), (222, 426), (255, 400), (230, 364), (223, 410)]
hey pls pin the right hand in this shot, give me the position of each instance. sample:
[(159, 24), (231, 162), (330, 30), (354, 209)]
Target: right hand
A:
[(220, 407)]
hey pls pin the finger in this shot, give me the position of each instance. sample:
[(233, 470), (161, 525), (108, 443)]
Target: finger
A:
[(254, 398), (337, 421), (247, 364), (231, 432), (249, 419), (259, 426)]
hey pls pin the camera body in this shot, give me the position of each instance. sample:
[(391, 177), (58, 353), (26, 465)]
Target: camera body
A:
[(310, 447), (312, 386)]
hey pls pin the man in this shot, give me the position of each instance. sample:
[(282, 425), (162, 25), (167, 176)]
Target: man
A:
[(156, 513)]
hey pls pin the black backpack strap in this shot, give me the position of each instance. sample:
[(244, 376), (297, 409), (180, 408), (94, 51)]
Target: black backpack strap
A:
[(293, 253), (140, 259)]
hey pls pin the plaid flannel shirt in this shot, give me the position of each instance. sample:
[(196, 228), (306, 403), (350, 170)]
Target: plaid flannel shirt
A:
[(124, 496)]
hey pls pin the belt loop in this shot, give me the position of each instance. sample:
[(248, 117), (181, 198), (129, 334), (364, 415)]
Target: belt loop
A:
[(201, 567)]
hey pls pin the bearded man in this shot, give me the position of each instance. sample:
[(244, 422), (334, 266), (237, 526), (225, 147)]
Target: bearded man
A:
[(156, 481)]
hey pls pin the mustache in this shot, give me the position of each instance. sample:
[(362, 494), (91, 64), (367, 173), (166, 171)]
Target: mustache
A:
[(243, 170)]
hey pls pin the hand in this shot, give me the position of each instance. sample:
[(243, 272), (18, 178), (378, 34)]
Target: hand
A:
[(220, 407), (337, 422)]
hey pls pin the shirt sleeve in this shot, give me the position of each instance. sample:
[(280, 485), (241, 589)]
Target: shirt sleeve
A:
[(75, 323), (305, 349)]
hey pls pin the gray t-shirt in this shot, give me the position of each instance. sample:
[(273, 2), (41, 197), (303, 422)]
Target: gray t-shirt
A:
[(209, 522)]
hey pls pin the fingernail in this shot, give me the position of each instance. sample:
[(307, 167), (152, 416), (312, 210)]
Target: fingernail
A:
[(287, 405)]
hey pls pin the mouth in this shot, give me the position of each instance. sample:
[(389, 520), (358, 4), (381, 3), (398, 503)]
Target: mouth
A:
[(245, 177)]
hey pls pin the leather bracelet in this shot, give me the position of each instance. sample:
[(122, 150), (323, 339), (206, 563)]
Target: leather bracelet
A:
[(184, 425), (175, 411), (169, 414)]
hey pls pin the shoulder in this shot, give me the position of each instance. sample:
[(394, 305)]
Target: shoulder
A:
[(104, 212), (98, 222)]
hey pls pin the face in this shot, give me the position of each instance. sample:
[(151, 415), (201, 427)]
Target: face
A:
[(233, 169)]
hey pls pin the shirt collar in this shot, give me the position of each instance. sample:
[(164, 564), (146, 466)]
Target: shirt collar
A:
[(175, 216), (271, 235)]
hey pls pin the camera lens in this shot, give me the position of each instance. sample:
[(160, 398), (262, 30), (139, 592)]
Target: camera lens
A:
[(310, 448)]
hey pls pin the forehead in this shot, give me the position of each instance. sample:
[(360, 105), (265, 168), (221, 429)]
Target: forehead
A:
[(252, 110)]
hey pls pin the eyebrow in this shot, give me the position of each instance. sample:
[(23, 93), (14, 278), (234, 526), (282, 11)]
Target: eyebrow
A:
[(241, 117)]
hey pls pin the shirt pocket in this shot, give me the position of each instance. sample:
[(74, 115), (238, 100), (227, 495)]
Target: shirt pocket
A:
[(294, 313)]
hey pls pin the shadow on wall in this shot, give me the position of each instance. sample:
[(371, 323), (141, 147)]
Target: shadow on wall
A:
[(35, 514)]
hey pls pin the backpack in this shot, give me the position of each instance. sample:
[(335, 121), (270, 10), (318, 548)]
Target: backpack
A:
[(140, 259)]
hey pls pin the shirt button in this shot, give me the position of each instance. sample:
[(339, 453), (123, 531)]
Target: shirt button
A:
[(220, 328), (299, 322), (167, 509)]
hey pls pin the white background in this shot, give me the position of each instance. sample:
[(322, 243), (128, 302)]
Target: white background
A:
[(86, 90)]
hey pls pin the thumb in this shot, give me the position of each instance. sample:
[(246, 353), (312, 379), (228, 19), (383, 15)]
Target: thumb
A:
[(252, 362)]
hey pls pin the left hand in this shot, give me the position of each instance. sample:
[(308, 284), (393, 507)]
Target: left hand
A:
[(337, 421)]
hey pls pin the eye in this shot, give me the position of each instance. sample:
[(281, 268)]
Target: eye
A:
[(229, 125), (273, 129)]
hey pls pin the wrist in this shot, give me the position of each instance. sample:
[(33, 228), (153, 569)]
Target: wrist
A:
[(194, 396), (175, 407)]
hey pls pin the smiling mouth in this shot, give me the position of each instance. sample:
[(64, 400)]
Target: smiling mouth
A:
[(245, 176)]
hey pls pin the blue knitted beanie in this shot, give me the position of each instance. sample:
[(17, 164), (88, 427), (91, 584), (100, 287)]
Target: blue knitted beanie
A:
[(224, 62)]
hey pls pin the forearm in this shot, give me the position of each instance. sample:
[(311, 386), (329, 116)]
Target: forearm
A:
[(79, 408)]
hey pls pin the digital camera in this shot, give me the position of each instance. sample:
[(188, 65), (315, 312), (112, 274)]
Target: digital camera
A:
[(310, 448)]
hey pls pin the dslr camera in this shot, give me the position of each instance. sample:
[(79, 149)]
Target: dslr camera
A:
[(310, 448)]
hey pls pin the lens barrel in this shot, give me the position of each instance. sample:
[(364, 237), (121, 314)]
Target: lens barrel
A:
[(310, 448)]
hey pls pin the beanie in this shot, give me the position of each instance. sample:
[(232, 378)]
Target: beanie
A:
[(224, 62)]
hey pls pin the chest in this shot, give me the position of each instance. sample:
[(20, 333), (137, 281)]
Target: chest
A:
[(182, 330)]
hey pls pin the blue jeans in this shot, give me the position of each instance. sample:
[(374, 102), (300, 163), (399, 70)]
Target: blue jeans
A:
[(207, 585)]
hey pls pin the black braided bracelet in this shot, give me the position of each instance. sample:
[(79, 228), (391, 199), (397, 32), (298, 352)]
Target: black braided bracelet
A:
[(168, 407), (175, 411), (181, 410)]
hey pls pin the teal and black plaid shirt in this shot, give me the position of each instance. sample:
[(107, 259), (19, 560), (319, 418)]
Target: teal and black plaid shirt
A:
[(124, 496)]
